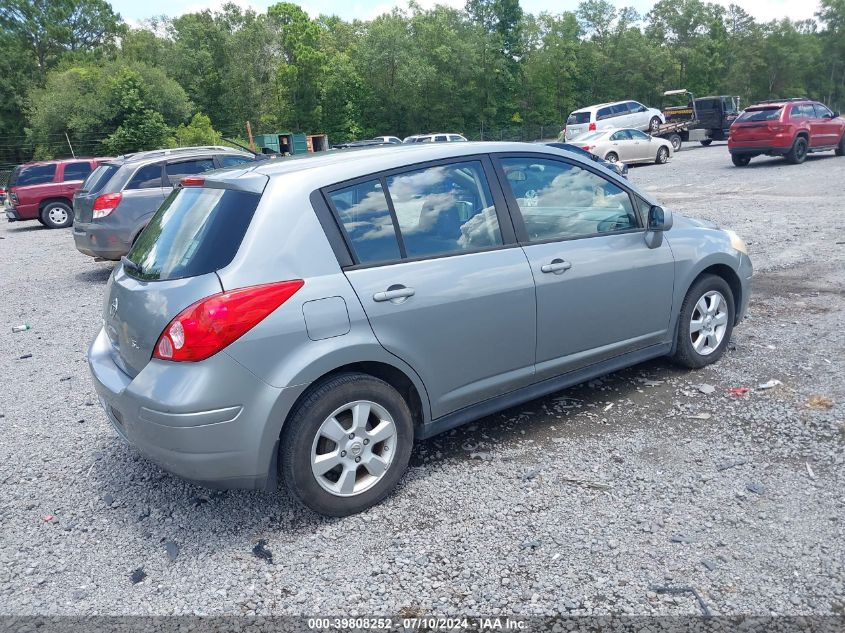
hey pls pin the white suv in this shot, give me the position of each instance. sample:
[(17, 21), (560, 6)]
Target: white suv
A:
[(435, 138), (620, 114)]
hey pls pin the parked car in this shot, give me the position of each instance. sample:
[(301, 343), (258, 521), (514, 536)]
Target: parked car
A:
[(388, 140), (312, 318), (790, 128), (44, 190), (620, 114), (370, 142), (118, 199), (617, 167), (628, 145), (439, 137)]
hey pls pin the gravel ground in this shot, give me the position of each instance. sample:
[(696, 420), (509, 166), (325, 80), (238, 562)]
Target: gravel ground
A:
[(583, 502)]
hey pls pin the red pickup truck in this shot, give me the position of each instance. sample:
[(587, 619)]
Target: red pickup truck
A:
[(44, 191)]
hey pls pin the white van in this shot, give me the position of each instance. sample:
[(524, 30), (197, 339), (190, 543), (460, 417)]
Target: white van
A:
[(619, 114)]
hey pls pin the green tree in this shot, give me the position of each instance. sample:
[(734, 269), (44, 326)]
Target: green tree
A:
[(198, 132)]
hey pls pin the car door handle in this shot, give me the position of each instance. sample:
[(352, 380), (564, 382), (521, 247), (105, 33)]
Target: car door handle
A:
[(393, 293), (557, 266)]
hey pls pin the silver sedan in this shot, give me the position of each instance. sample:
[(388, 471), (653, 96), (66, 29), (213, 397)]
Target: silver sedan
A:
[(627, 145)]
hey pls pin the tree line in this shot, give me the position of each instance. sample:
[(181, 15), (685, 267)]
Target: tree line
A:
[(73, 73)]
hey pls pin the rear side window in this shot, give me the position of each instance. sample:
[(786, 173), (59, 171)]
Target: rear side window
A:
[(147, 177), (363, 211), (577, 118), (76, 171), (35, 175), (803, 111), (176, 171), (761, 114), (604, 113), (619, 109), (196, 231), (621, 135), (444, 209), (98, 178)]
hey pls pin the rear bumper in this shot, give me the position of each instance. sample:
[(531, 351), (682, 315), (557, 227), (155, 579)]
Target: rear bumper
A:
[(211, 422), (22, 212), (99, 241), (776, 144), (756, 151)]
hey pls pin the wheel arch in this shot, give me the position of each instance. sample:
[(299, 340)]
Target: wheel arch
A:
[(61, 199), (731, 278)]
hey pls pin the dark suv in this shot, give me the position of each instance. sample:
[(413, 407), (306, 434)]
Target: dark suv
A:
[(791, 128), (43, 191), (118, 199)]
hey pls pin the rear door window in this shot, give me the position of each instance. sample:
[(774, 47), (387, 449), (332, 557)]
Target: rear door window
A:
[(604, 113), (621, 135), (147, 177), (364, 213), (196, 231), (177, 171), (444, 209), (35, 175), (76, 171), (619, 109)]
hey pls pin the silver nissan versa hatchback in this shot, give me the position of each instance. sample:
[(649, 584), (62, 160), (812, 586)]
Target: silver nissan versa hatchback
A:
[(310, 318)]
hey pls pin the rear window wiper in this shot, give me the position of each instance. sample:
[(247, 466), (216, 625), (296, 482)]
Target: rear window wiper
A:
[(128, 264)]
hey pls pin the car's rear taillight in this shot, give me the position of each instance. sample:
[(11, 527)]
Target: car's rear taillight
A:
[(106, 203), (192, 181), (207, 326), (591, 127), (776, 127)]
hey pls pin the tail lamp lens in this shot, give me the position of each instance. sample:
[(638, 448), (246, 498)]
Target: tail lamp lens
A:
[(106, 203)]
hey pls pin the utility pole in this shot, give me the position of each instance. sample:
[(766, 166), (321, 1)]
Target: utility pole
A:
[(69, 145), (249, 134)]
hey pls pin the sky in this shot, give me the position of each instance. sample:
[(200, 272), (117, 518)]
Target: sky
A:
[(134, 11)]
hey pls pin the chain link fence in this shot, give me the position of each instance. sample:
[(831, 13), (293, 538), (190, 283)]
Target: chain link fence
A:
[(522, 132)]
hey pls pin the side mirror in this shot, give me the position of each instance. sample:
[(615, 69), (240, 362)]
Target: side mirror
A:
[(659, 219), (835, 114)]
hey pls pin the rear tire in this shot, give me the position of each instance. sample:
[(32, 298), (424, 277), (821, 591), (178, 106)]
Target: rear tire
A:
[(695, 348), (612, 157), (56, 215), (840, 149), (739, 160), (361, 404), (662, 156), (798, 153), (706, 142), (676, 141)]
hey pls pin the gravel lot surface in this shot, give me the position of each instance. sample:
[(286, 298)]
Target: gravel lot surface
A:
[(586, 501)]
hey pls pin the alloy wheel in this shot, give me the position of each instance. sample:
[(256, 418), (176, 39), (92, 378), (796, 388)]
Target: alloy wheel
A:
[(353, 448), (708, 323)]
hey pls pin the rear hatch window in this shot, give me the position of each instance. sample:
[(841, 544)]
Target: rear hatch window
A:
[(578, 118), (196, 231), (98, 178), (760, 114)]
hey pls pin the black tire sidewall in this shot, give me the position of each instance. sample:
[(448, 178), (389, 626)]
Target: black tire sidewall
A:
[(300, 429), (46, 221), (609, 159), (651, 126), (685, 353), (662, 152)]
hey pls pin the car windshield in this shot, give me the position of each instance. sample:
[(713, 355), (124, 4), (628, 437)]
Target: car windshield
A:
[(196, 231), (761, 114), (577, 118)]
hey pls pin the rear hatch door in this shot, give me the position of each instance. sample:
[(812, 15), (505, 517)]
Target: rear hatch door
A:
[(755, 123), (577, 124), (94, 184), (173, 264)]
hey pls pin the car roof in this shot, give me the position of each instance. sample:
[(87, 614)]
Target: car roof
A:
[(600, 105), (153, 156), (59, 161)]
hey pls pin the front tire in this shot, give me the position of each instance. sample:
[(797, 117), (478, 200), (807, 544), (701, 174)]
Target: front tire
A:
[(654, 125), (739, 160), (798, 153), (346, 445), (56, 215), (705, 323), (840, 149), (662, 156), (706, 142)]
